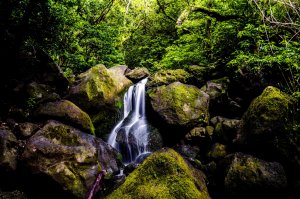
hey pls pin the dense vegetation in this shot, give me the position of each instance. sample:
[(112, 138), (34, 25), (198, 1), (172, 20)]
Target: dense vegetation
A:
[(258, 40), (259, 37)]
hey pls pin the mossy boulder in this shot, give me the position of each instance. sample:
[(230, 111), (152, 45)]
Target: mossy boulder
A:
[(249, 177), (267, 126), (217, 151), (137, 74), (68, 112), (68, 156), (117, 73), (180, 104), (8, 150), (165, 77), (164, 174), (99, 87)]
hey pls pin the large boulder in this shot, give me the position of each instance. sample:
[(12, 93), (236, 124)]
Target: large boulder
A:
[(8, 150), (99, 87), (180, 104), (267, 126), (68, 112), (249, 177), (68, 156), (117, 73), (164, 174), (165, 77), (137, 74), (99, 92)]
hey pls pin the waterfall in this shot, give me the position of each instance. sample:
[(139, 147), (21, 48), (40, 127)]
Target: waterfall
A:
[(130, 135)]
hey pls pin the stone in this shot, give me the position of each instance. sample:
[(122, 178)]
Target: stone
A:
[(164, 174), (137, 74), (180, 104), (68, 112), (68, 156)]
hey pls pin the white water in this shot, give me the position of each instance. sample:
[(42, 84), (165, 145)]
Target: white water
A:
[(130, 135)]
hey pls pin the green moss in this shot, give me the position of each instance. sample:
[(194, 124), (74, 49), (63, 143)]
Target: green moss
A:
[(164, 174), (61, 135), (100, 84), (165, 77), (271, 106), (218, 151), (180, 103), (67, 112)]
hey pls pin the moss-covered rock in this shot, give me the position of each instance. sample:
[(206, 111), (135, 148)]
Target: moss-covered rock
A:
[(99, 91), (217, 151), (8, 150), (137, 74), (68, 156), (66, 111), (180, 104), (98, 87), (249, 177), (117, 73), (267, 127), (165, 77), (166, 175)]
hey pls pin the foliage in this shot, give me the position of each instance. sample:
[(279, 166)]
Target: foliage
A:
[(227, 36)]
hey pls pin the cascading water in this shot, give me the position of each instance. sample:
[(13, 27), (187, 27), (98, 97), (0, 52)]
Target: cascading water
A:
[(130, 135)]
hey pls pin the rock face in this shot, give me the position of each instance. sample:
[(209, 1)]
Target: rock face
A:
[(8, 151), (137, 74), (98, 87), (249, 177), (180, 104), (267, 125), (66, 111), (164, 174), (165, 77), (69, 156)]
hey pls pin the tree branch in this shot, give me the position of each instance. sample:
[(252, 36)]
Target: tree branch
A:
[(213, 13)]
